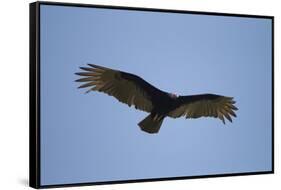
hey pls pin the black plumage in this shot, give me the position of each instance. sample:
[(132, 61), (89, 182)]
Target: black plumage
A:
[(133, 90)]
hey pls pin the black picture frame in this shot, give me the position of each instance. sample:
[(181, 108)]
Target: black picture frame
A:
[(34, 92)]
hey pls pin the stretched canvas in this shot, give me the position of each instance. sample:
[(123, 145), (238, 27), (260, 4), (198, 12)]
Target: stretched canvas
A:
[(122, 94)]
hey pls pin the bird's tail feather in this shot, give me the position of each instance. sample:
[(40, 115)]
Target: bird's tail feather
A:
[(151, 124)]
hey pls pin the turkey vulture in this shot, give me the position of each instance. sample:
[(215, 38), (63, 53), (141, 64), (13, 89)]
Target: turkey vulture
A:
[(133, 90)]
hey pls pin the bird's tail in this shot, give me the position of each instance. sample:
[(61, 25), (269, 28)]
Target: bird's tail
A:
[(151, 124)]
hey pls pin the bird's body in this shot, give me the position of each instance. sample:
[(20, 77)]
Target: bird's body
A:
[(134, 91)]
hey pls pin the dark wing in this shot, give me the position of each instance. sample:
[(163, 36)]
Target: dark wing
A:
[(207, 105), (127, 88)]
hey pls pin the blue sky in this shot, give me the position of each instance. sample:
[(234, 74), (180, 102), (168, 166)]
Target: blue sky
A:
[(93, 137)]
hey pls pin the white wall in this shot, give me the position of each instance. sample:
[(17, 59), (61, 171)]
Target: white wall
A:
[(14, 93)]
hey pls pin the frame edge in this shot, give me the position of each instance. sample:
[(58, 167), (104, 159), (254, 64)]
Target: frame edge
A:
[(150, 9), (34, 147), (273, 96)]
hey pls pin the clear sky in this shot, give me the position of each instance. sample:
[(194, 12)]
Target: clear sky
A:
[(93, 137)]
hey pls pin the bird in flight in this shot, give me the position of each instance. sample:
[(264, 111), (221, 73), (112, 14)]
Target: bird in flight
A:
[(135, 91)]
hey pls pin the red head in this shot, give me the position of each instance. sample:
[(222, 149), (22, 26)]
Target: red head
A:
[(172, 95)]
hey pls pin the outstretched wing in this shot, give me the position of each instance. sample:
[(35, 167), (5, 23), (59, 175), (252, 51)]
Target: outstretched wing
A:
[(127, 88), (204, 105)]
